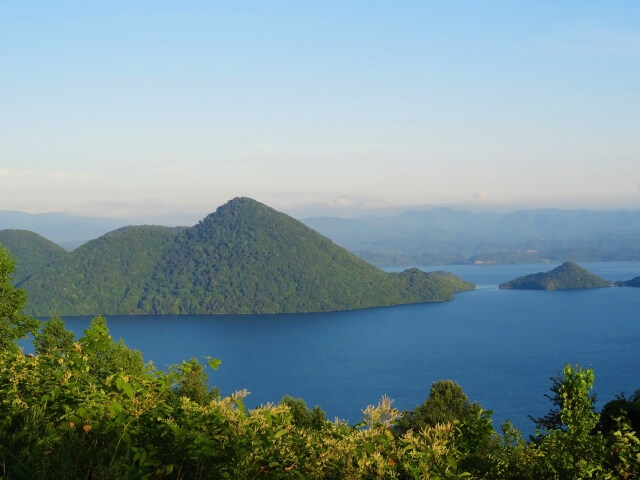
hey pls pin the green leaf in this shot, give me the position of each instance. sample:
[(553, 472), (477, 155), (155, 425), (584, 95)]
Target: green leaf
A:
[(115, 408), (215, 363), (280, 433), (269, 417), (127, 389), (240, 404)]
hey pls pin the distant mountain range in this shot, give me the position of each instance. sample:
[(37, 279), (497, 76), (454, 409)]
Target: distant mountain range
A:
[(243, 258), (569, 275), (428, 236), (447, 236)]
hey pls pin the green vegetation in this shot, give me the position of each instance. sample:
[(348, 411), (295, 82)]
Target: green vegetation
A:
[(569, 275), (634, 282), (244, 258), (106, 275), (90, 408), (13, 324), (32, 251)]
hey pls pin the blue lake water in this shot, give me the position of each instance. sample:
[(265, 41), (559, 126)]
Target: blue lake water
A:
[(501, 346)]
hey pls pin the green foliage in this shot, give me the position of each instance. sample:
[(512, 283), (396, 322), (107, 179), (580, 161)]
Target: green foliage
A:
[(109, 357), (577, 449), (13, 324), (244, 258), (552, 419), (620, 408), (301, 416), (193, 383), (569, 275), (446, 403), (53, 336)]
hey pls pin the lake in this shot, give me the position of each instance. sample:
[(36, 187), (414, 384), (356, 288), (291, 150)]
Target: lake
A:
[(501, 346)]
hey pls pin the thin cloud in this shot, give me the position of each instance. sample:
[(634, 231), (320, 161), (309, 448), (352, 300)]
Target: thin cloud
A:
[(480, 195)]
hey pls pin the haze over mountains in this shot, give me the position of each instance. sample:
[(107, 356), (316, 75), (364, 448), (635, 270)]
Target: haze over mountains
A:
[(424, 235), (444, 235), (243, 258)]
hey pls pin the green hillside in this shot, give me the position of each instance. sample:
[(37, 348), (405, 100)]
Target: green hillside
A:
[(244, 258), (107, 275), (31, 252), (569, 275)]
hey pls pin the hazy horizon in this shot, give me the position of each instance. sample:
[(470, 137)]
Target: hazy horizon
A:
[(161, 110)]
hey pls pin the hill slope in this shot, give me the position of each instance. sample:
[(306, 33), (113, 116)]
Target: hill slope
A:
[(108, 274), (244, 258), (569, 275), (31, 251)]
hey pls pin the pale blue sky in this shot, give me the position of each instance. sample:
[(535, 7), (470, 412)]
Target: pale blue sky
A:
[(151, 107)]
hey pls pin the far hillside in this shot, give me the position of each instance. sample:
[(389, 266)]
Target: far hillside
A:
[(435, 236), (32, 251)]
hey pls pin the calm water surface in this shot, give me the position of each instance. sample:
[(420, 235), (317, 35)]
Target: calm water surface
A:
[(501, 346)]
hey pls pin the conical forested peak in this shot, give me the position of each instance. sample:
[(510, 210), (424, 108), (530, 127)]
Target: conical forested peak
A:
[(569, 267), (569, 275), (240, 211), (240, 206)]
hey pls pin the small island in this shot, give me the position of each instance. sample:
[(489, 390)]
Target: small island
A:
[(569, 275), (634, 282)]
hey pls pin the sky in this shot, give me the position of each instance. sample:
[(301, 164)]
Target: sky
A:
[(158, 109)]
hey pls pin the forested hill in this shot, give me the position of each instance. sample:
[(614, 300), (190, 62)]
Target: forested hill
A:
[(634, 282), (569, 275), (108, 274), (32, 251), (244, 258)]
